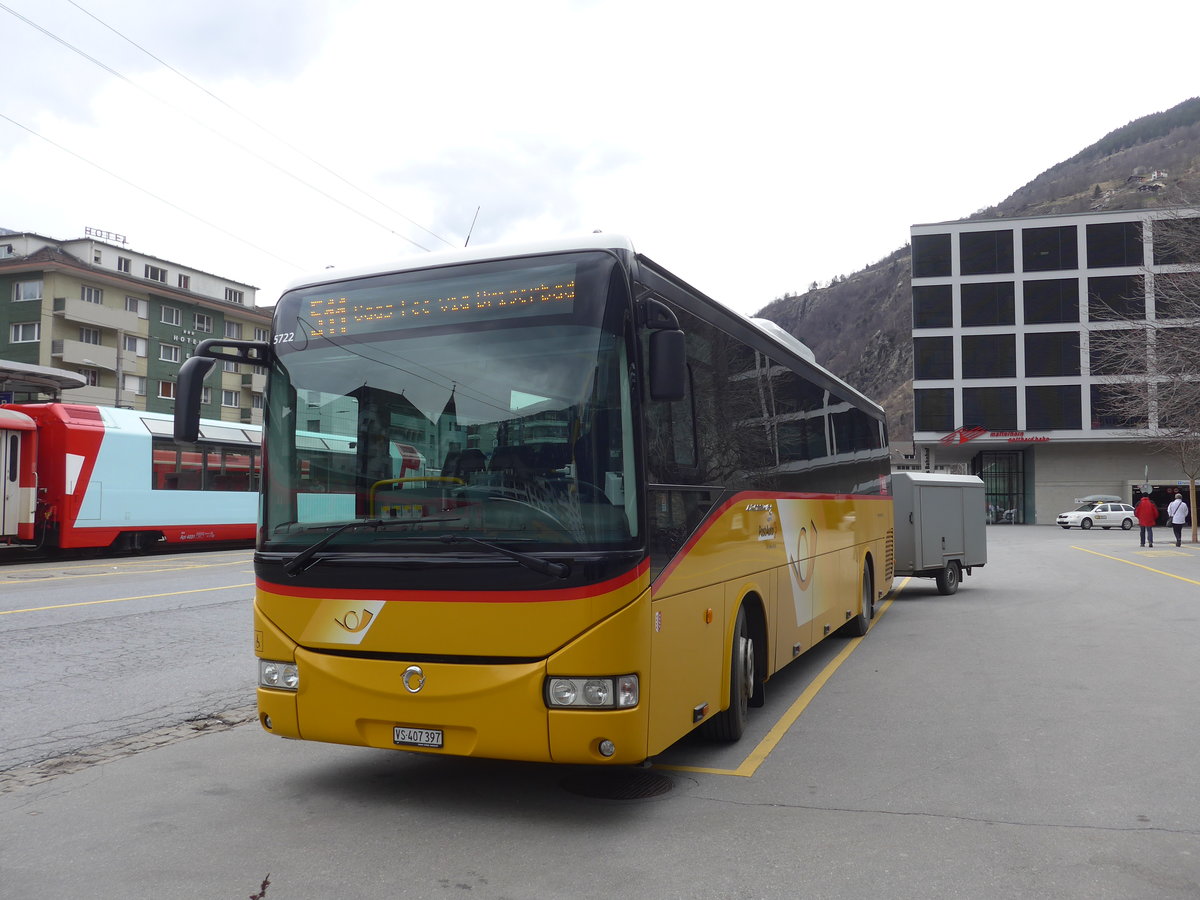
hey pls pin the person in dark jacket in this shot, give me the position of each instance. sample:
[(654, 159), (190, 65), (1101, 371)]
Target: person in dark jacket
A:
[(1147, 516)]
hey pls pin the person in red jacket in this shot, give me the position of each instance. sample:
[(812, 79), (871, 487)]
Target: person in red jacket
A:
[(1147, 516)]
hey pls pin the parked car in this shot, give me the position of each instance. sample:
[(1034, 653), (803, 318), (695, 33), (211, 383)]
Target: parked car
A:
[(1106, 515)]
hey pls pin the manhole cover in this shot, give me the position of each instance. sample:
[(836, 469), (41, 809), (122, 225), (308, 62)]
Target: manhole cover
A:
[(618, 784)]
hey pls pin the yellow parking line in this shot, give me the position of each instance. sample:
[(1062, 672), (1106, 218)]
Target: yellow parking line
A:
[(224, 587), (765, 747), (1139, 565)]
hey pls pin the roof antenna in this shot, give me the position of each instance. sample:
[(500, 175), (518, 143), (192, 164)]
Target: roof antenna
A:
[(472, 228)]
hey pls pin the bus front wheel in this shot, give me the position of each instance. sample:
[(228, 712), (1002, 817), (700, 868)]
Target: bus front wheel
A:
[(729, 724)]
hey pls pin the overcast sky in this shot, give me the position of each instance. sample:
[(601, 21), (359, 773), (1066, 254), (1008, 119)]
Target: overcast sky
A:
[(752, 148)]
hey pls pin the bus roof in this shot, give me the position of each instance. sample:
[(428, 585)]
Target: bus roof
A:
[(594, 241)]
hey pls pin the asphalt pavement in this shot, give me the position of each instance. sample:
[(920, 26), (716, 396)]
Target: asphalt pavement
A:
[(1033, 735)]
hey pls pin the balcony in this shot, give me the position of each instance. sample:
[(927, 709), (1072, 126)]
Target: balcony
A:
[(254, 382), (95, 314), (77, 353)]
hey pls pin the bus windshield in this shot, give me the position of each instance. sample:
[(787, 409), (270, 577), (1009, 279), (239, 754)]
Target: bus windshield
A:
[(486, 401)]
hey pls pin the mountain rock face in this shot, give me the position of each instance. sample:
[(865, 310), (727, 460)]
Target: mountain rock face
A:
[(860, 327)]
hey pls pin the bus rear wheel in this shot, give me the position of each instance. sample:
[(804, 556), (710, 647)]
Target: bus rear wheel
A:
[(729, 724), (859, 624)]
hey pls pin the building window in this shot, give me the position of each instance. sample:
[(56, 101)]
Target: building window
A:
[(1047, 249), (233, 330), (123, 263), (234, 296), (993, 408), (203, 323), (933, 409), (930, 255), (141, 307), (97, 256), (1053, 300), (933, 357), (135, 384), (263, 335), (256, 400), (25, 332), (185, 282), (229, 365), (89, 336), (1114, 244), (171, 316), (985, 252), (154, 273), (1116, 297), (1051, 353), (91, 376), (989, 355), (166, 390), (1053, 406), (1122, 351), (933, 307), (90, 294), (230, 398), (168, 353), (1112, 404), (206, 396), (134, 344), (990, 303), (27, 290), (1176, 241)]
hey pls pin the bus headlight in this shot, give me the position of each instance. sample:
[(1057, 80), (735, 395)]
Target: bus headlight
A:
[(283, 676), (620, 692)]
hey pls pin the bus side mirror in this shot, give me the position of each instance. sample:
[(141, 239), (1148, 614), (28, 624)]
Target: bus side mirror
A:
[(668, 365), (189, 389)]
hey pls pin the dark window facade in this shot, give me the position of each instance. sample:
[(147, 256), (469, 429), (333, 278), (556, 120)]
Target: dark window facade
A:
[(1116, 297), (1176, 241), (990, 303), (933, 357), (989, 355), (1052, 300), (993, 408), (930, 255), (1053, 406), (1176, 294), (933, 306), (1048, 249), (1118, 351), (985, 252), (933, 409), (1111, 407), (1114, 244), (1052, 353)]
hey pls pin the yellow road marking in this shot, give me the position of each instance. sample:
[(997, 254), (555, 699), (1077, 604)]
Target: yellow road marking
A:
[(224, 587), (765, 747), (1129, 562)]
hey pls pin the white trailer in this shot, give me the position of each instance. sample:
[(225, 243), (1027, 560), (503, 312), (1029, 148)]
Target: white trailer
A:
[(941, 526)]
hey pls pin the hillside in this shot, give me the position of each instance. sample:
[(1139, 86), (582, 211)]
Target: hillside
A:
[(860, 327)]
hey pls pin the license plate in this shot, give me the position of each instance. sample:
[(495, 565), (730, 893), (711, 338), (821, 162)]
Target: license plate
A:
[(407, 736)]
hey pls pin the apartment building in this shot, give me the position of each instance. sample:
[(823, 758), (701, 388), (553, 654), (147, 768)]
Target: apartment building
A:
[(124, 321), (1008, 377)]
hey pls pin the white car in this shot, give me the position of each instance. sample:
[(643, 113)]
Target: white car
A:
[(1106, 515)]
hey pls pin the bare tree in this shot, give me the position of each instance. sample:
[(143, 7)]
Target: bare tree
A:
[(1145, 348)]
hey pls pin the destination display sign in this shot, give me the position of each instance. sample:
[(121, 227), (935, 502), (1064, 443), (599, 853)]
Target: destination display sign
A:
[(457, 298)]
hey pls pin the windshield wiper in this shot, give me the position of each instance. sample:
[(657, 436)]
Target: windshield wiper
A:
[(541, 566), (296, 564)]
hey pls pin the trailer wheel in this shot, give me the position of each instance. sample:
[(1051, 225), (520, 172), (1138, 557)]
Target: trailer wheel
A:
[(948, 578)]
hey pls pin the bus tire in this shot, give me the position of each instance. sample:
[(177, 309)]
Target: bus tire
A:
[(729, 724), (948, 578), (859, 625)]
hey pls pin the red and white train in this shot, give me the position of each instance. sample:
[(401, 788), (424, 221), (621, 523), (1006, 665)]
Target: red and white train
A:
[(78, 476)]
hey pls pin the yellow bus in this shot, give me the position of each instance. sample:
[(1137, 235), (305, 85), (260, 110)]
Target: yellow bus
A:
[(546, 503)]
